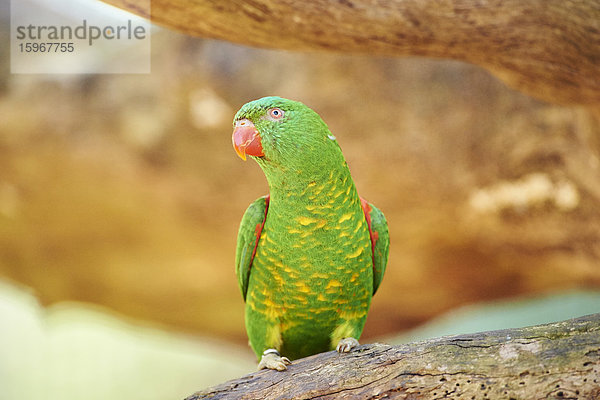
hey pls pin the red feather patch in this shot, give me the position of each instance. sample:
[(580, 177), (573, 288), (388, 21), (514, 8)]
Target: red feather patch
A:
[(259, 228), (373, 234)]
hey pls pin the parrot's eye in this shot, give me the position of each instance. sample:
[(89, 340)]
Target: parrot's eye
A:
[(275, 113)]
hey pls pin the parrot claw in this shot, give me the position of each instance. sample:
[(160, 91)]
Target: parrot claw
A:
[(345, 345), (272, 360)]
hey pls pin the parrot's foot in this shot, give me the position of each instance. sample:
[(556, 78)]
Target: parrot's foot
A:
[(272, 360), (345, 345)]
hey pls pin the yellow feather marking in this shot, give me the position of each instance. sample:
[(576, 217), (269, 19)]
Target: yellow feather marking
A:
[(269, 304), (333, 283), (356, 253), (348, 190), (250, 301), (284, 326), (358, 226), (344, 330), (302, 287), (318, 209), (320, 275), (329, 205), (338, 194), (345, 217), (354, 277), (272, 310), (273, 250), (301, 299), (295, 231), (278, 278), (311, 184), (355, 313), (273, 336), (306, 220), (320, 297), (344, 233)]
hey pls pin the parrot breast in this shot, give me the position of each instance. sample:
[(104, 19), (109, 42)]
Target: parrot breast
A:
[(312, 274)]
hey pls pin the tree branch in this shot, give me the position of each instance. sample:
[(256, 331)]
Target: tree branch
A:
[(553, 361), (549, 49)]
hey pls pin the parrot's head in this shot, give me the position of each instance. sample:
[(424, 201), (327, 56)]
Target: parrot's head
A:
[(283, 133)]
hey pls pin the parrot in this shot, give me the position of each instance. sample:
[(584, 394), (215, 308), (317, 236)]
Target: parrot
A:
[(311, 254)]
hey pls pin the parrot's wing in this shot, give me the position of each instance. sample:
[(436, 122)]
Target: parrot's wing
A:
[(380, 240), (247, 240)]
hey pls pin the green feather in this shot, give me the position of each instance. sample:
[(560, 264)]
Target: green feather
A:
[(250, 228), (382, 245), (314, 270)]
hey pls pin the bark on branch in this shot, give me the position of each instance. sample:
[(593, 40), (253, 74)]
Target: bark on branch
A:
[(549, 49), (554, 361)]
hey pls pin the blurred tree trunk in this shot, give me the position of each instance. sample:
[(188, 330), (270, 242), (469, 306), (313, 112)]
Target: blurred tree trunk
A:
[(549, 49), (554, 361)]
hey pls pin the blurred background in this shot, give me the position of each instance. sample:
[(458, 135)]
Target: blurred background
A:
[(121, 196)]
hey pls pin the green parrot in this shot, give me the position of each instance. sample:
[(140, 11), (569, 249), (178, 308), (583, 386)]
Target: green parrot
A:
[(312, 253)]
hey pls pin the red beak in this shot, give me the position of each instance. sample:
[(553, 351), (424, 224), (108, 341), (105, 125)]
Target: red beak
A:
[(246, 139)]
